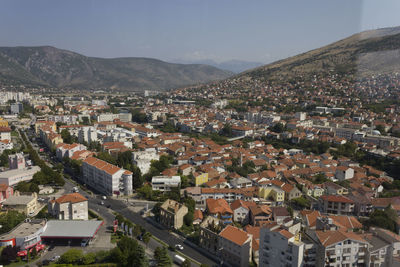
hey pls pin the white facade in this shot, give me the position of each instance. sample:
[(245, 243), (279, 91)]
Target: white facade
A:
[(142, 159), (13, 177), (279, 247), (67, 150), (87, 134), (106, 178), (165, 183), (344, 173), (16, 161)]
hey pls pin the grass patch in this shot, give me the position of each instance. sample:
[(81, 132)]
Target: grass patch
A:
[(94, 215)]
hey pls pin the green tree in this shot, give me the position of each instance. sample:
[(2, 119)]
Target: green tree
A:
[(106, 157), (66, 136), (186, 263), (89, 258), (9, 254), (162, 258), (72, 256), (146, 238)]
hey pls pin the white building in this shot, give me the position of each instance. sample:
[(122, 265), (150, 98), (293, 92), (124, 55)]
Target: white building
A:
[(235, 246), (300, 116), (87, 134), (67, 150), (13, 177), (5, 133), (16, 161), (279, 247), (343, 173), (165, 183), (106, 178), (125, 117), (69, 207), (142, 159), (6, 144)]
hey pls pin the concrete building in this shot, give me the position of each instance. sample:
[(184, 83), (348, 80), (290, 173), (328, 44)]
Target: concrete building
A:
[(235, 246), (279, 247), (87, 134), (13, 177), (5, 133), (142, 159), (25, 235), (27, 204), (69, 207), (343, 173), (340, 248), (208, 237), (106, 178), (172, 213), (337, 204), (67, 150), (165, 183), (16, 161), (16, 108)]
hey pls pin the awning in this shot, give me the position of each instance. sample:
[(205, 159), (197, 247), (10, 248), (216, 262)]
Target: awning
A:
[(22, 253)]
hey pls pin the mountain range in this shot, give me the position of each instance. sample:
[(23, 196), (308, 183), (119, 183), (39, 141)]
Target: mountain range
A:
[(52, 67), (234, 65), (366, 53)]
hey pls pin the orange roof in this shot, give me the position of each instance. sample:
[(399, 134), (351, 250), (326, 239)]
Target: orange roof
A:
[(198, 215), (240, 203), (218, 206), (345, 222), (336, 198), (328, 238), (102, 165), (235, 235), (72, 198)]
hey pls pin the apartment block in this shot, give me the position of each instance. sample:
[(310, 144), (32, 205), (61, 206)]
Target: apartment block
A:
[(106, 178), (337, 204), (279, 247), (235, 246)]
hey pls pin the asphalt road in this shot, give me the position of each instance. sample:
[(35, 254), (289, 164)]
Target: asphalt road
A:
[(121, 207)]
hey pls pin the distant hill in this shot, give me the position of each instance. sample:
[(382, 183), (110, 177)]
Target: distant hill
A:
[(49, 66), (234, 65), (369, 52)]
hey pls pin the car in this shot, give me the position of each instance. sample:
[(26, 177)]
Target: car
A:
[(108, 206), (101, 203), (51, 247), (104, 197), (55, 258), (179, 246)]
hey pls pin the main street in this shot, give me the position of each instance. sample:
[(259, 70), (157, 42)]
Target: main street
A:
[(121, 206)]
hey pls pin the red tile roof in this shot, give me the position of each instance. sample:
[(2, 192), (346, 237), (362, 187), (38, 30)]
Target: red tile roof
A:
[(235, 235)]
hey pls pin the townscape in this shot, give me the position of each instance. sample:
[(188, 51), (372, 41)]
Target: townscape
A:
[(216, 181), (205, 161)]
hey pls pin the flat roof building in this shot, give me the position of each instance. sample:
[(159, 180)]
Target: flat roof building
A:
[(25, 235), (13, 177)]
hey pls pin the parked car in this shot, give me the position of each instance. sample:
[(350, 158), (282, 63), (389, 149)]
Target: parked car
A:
[(55, 258), (179, 246)]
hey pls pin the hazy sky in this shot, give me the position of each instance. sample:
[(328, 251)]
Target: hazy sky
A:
[(256, 30)]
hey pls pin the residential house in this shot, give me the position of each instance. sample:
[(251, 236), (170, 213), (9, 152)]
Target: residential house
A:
[(172, 214), (235, 246), (337, 204), (69, 207)]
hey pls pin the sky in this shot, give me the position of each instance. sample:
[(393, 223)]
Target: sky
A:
[(190, 30)]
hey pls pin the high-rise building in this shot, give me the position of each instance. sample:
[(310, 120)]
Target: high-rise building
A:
[(16, 108)]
